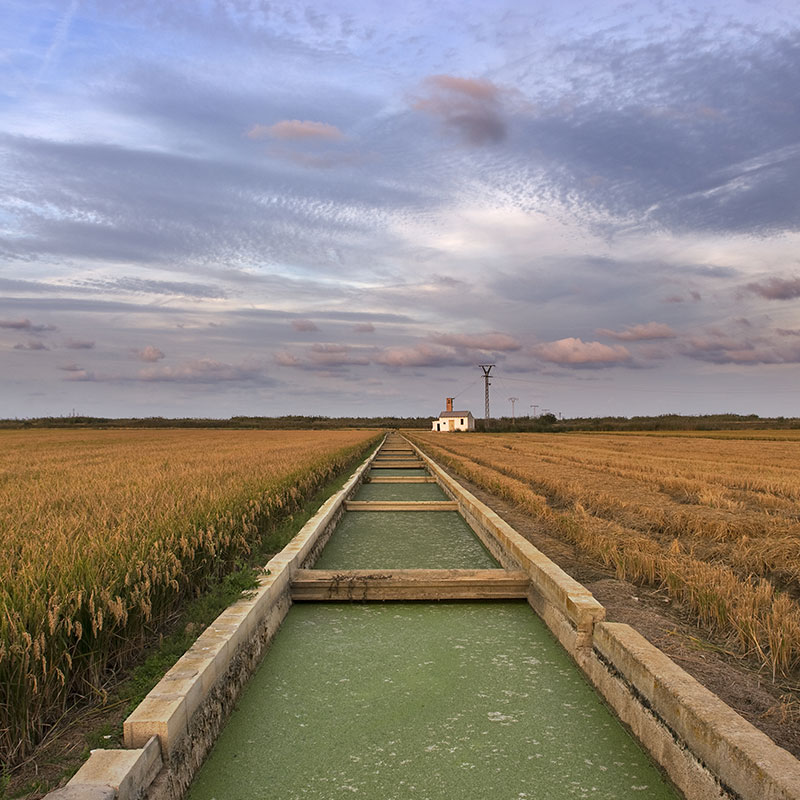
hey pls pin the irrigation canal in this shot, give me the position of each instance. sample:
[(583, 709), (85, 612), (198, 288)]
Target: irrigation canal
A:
[(450, 687)]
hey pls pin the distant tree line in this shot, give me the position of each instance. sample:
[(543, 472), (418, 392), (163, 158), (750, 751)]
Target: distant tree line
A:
[(664, 422), (292, 422), (541, 424)]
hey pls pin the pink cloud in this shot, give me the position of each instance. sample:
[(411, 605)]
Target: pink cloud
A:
[(776, 288), (577, 353), (304, 325), (422, 355), (470, 106), (294, 129), (150, 354), (287, 360), (638, 333), (483, 341), (364, 327)]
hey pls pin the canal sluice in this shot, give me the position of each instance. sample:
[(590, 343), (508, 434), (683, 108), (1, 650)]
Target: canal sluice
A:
[(391, 650)]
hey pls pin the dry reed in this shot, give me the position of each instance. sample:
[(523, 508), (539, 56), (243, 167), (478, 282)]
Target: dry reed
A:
[(718, 549)]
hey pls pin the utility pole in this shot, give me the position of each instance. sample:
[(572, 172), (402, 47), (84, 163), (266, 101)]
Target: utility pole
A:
[(534, 406), (487, 368), (513, 400)]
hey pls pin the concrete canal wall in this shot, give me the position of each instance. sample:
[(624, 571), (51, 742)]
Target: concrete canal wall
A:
[(706, 749)]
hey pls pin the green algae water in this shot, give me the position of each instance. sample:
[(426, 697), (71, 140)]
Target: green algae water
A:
[(400, 491), (431, 701), (404, 540)]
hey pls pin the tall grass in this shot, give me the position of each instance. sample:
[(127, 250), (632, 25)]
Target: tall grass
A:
[(614, 497), (103, 533)]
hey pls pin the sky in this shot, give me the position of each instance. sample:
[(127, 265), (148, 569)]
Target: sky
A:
[(241, 207)]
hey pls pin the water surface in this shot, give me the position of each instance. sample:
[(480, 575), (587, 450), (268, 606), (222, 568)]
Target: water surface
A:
[(431, 701)]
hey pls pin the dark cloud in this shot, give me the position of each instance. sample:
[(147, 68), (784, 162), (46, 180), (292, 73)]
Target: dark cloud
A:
[(776, 288), (26, 325), (683, 134), (472, 107), (79, 344), (720, 347), (364, 327), (18, 285), (33, 344), (151, 286)]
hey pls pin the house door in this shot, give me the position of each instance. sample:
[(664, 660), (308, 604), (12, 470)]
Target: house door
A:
[(451, 424)]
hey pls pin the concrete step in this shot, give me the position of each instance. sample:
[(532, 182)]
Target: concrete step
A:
[(400, 505), (409, 584)]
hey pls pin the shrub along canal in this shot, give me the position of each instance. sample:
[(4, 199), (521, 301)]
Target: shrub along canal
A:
[(420, 699)]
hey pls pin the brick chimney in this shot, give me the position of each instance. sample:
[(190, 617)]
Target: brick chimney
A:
[(450, 403)]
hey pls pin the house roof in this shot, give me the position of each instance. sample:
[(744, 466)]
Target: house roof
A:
[(447, 414)]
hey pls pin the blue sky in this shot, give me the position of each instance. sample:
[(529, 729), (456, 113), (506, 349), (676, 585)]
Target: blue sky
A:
[(219, 208)]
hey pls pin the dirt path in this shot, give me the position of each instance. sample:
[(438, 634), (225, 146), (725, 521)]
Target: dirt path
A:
[(773, 708)]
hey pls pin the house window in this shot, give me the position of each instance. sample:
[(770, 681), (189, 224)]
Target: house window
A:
[(462, 420)]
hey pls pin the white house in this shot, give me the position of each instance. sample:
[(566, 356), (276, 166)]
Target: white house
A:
[(450, 420)]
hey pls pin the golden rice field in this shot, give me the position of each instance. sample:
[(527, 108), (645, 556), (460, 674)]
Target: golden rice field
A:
[(103, 532), (712, 519)]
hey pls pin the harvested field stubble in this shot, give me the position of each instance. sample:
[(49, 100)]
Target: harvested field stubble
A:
[(714, 521), (103, 532)]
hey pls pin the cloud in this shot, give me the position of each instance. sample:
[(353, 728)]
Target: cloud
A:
[(364, 327), (284, 359), (33, 344), (304, 325), (577, 353), (335, 355), (150, 354), (421, 355), (718, 347), (295, 130), (25, 325), (79, 344), (472, 107), (639, 333), (77, 373), (204, 370), (323, 356), (499, 342), (150, 286), (776, 288)]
